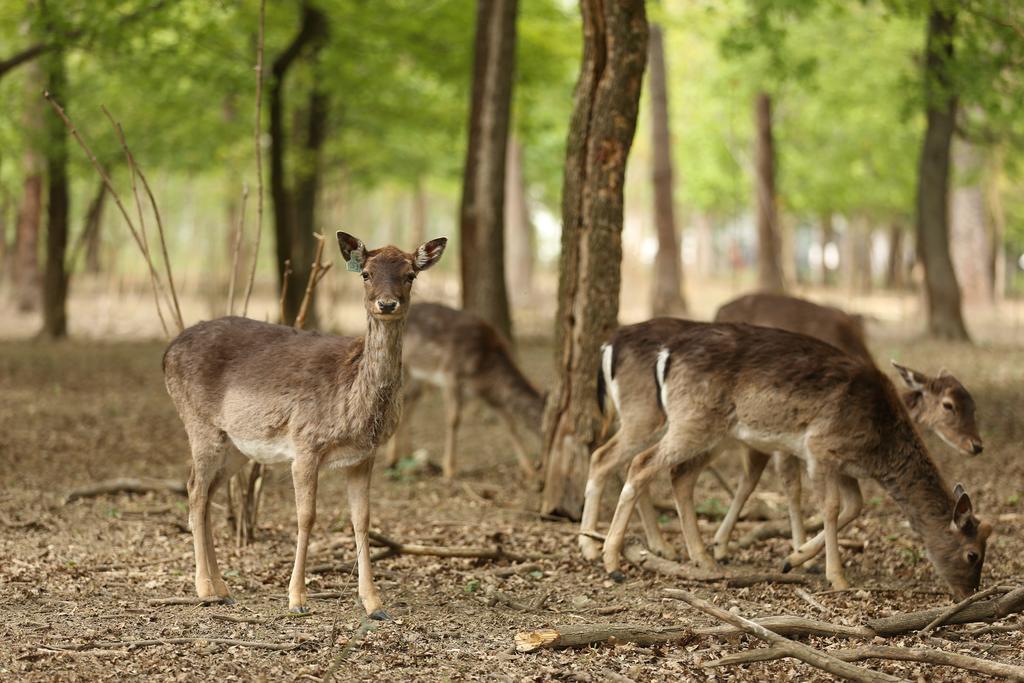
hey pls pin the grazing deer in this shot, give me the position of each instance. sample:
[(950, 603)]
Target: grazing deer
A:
[(626, 376), (247, 389), (941, 404), (722, 383), (466, 358)]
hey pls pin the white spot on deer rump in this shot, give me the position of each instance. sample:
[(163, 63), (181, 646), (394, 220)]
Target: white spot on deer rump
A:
[(266, 451), (607, 351), (660, 369)]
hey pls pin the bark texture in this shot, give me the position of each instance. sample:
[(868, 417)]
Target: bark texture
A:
[(55, 281), (519, 241), (769, 267), (971, 242), (667, 298), (291, 244), (30, 208), (600, 136), (482, 215), (942, 291)]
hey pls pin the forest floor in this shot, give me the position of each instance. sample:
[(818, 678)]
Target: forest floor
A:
[(78, 412)]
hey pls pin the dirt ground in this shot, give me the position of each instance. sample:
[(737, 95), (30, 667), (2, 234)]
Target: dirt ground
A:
[(78, 412)]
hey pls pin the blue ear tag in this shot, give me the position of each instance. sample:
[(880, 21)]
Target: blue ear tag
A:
[(355, 264)]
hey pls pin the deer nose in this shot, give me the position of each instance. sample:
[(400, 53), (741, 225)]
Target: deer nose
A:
[(387, 306), (976, 447)]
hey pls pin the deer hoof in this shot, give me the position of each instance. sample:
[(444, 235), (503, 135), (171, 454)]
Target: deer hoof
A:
[(380, 615), (786, 567), (617, 576), (227, 600), (299, 609)]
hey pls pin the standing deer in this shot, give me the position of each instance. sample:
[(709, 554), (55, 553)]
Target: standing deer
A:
[(465, 357), (940, 404), (246, 389), (722, 383)]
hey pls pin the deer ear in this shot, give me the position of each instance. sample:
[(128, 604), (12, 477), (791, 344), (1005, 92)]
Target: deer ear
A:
[(944, 373), (912, 378), (352, 250), (428, 253), (963, 514), (958, 491)]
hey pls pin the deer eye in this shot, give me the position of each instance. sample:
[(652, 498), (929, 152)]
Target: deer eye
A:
[(411, 277), (366, 276), (972, 557), (948, 405)]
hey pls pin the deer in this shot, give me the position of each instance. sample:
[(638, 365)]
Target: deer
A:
[(939, 404), (465, 358), (725, 383), (246, 389)]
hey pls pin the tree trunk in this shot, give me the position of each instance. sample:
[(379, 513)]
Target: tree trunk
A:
[(972, 248), (519, 241), (668, 264), (30, 209), (994, 198), (600, 135), (92, 234), (895, 270), (482, 218), (55, 282), (307, 186), (285, 232), (942, 292), (769, 268)]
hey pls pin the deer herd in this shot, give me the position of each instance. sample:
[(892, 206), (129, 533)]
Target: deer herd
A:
[(772, 378)]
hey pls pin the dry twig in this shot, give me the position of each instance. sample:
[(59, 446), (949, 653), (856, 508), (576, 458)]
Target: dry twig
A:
[(126, 485), (645, 559), (953, 610), (905, 654), (582, 635), (193, 600), (495, 553), (792, 648), (317, 273)]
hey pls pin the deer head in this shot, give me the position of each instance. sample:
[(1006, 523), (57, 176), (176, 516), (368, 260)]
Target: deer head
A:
[(388, 273), (944, 405), (960, 556)]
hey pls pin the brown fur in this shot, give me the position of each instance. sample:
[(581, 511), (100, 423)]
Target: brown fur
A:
[(775, 390), (466, 358), (246, 388)]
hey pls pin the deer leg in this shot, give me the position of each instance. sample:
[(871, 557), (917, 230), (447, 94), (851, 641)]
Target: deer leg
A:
[(399, 442), (643, 467), (603, 462), (207, 460), (830, 513), (852, 504), (754, 463), (305, 470), (788, 468), (358, 482), (233, 461), (453, 409), (526, 463), (656, 542), (684, 480)]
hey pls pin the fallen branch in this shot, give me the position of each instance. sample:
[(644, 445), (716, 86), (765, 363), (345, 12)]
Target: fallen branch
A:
[(905, 654), (785, 625), (582, 635), (779, 528), (256, 644), (805, 653), (648, 561), (952, 611), (127, 485), (495, 553), (989, 610), (214, 600)]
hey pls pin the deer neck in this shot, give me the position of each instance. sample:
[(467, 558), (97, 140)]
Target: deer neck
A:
[(917, 486), (374, 394)]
